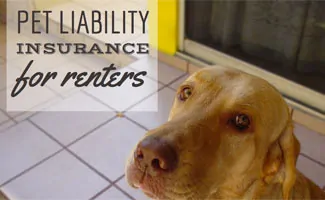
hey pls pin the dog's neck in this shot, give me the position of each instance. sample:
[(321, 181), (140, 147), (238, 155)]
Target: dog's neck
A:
[(256, 189), (259, 188), (247, 187)]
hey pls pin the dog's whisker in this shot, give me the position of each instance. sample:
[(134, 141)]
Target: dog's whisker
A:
[(144, 174)]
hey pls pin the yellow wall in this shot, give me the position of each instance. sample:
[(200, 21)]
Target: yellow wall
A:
[(167, 25)]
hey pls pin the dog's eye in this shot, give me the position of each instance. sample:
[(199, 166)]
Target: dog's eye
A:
[(185, 93), (241, 122)]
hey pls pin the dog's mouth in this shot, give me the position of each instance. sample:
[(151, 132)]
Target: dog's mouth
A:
[(141, 179), (157, 186), (140, 183)]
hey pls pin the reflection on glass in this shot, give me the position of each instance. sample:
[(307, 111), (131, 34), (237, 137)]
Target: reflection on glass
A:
[(283, 37)]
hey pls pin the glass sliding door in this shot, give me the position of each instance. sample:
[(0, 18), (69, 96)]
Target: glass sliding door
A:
[(281, 41)]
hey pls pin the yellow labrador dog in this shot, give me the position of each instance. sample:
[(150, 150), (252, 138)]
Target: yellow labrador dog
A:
[(229, 136)]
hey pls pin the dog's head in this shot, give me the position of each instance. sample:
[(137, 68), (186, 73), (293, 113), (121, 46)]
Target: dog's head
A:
[(226, 130)]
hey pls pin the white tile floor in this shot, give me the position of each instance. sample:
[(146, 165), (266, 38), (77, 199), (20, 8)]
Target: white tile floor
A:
[(56, 151), (81, 155)]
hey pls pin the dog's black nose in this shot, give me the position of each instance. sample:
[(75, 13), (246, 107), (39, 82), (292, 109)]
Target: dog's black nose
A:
[(156, 153)]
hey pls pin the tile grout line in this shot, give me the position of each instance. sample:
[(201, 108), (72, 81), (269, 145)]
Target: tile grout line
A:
[(79, 138), (136, 123), (162, 83), (90, 132), (72, 153), (118, 179), (99, 101), (31, 167), (46, 133), (144, 98), (128, 108), (174, 81), (124, 192), (55, 92), (149, 77), (163, 87), (51, 102), (57, 95), (7, 115), (120, 189), (168, 86), (101, 192), (6, 121), (159, 89), (313, 160), (89, 166), (113, 184), (9, 127), (177, 79)]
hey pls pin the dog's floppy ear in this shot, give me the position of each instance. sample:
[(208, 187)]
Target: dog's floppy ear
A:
[(284, 151), (290, 148)]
